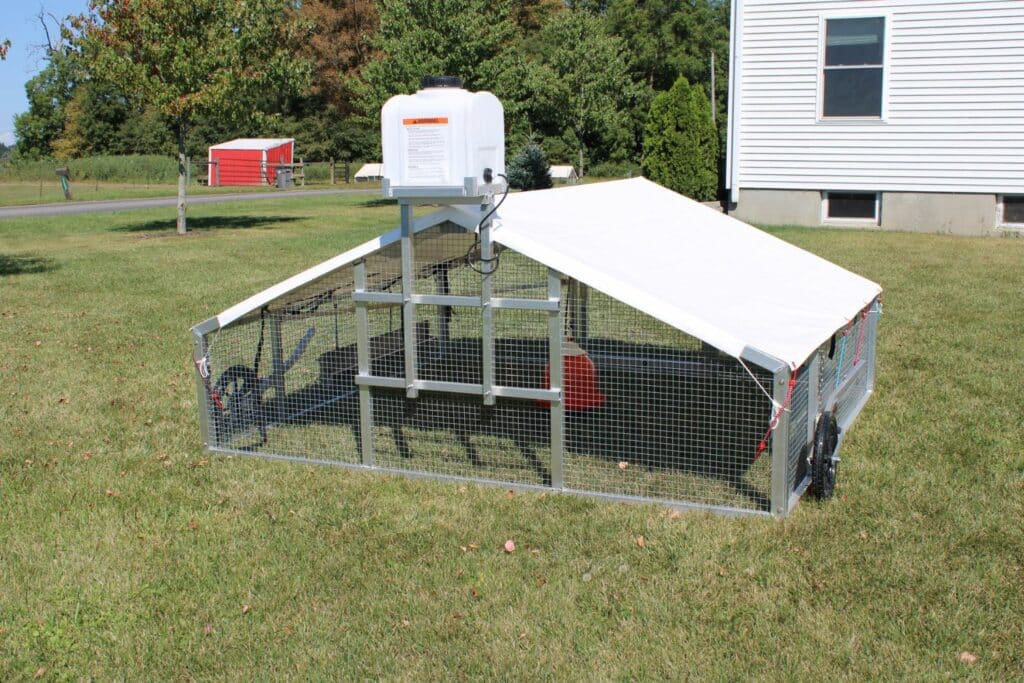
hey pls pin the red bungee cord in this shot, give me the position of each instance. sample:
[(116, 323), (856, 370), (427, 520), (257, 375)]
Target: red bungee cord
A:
[(775, 419)]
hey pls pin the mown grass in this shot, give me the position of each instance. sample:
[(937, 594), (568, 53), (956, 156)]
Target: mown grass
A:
[(127, 552)]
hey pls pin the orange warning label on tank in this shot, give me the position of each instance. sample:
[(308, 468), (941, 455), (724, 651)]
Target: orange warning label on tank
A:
[(435, 121)]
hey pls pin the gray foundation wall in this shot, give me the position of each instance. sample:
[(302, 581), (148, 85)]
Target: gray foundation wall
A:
[(960, 214)]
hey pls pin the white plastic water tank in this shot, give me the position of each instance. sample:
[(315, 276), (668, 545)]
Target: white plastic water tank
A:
[(439, 141)]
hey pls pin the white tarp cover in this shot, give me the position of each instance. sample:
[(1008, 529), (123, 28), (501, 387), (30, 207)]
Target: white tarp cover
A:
[(709, 275), (716, 278)]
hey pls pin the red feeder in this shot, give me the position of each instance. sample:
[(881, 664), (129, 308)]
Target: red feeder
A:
[(579, 380)]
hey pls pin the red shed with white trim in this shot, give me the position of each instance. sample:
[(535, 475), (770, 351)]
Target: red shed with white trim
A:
[(249, 161)]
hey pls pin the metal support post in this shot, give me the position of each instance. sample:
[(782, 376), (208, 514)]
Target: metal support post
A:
[(363, 361), (408, 307), (555, 324), (277, 362), (780, 448), (487, 310), (444, 316), (202, 397), (813, 397)]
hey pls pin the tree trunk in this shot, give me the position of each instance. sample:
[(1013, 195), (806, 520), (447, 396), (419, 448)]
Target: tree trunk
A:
[(182, 173)]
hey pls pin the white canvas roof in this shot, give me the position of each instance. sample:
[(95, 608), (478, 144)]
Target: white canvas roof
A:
[(375, 170), (253, 143), (562, 172), (737, 288)]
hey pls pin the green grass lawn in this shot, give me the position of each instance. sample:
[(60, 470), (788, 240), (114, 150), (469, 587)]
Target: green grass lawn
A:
[(126, 552)]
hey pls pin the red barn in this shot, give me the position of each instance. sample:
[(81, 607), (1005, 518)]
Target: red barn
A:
[(249, 161)]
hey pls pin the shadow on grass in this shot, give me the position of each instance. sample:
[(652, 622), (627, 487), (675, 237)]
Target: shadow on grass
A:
[(371, 203), (20, 264), (209, 223)]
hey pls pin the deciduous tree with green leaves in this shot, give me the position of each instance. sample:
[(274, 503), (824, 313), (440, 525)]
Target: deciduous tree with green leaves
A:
[(680, 142), (189, 59)]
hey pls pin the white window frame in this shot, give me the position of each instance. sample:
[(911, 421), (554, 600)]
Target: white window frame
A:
[(858, 222), (1000, 212), (886, 61)]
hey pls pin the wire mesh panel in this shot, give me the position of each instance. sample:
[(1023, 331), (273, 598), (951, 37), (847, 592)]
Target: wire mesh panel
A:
[(284, 380), (800, 426), (672, 419)]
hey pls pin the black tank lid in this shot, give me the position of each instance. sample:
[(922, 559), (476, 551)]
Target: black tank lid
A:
[(441, 82)]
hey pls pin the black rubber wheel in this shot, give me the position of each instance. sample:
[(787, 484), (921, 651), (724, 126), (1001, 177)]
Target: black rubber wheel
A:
[(823, 460), (238, 389)]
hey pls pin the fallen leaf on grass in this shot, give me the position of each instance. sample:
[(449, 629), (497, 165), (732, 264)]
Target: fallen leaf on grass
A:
[(111, 493), (41, 670), (62, 399), (38, 343), (640, 542), (541, 581), (207, 630), (863, 535), (968, 657), (406, 622), (473, 592), (473, 546), (510, 493), (457, 615), (86, 455), (623, 465), (246, 608), (510, 546), (193, 524)]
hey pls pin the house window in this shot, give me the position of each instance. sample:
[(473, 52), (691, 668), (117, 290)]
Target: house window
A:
[(850, 207), (853, 67), (1012, 210)]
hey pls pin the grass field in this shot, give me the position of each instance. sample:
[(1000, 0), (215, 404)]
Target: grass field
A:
[(128, 553)]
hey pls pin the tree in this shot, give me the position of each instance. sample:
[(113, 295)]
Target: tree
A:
[(5, 45), (465, 38), (48, 93), (680, 142), (529, 169), (191, 59), (581, 91)]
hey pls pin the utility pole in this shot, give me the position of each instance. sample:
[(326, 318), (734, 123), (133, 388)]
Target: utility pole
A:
[(713, 106)]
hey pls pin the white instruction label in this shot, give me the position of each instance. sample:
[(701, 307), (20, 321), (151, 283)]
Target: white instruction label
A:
[(426, 150)]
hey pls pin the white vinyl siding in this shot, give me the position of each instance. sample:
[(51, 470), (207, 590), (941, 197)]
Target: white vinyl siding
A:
[(953, 99)]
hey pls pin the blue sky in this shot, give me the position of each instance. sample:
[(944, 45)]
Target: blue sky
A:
[(18, 23)]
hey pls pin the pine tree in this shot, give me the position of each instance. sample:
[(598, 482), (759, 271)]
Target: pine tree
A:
[(681, 143), (529, 169)]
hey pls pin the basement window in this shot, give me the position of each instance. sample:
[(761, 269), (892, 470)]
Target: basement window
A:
[(850, 207), (1011, 211)]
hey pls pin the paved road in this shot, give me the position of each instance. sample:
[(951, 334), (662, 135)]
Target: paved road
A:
[(69, 208)]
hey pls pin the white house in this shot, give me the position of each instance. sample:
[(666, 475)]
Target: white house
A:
[(903, 114)]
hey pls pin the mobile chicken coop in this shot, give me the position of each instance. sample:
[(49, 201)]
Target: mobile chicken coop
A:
[(615, 339)]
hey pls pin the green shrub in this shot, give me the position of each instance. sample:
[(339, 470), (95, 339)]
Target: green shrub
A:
[(133, 168), (615, 169), (681, 143), (529, 169)]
